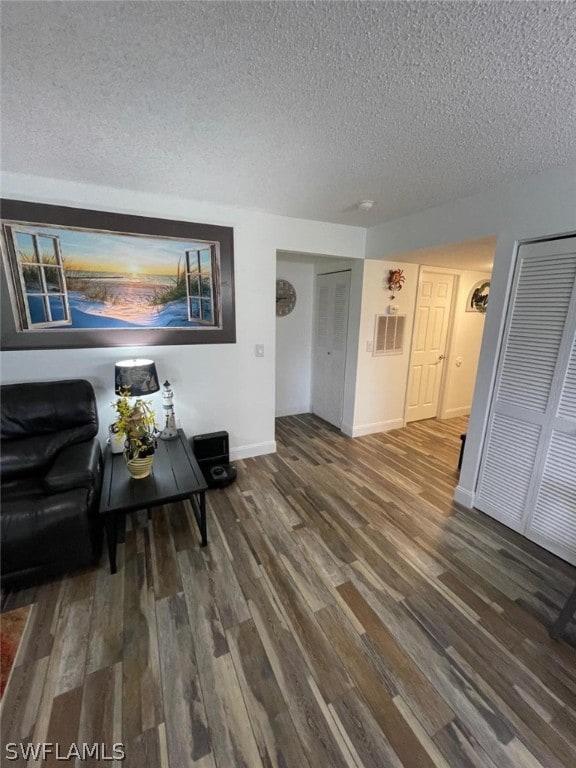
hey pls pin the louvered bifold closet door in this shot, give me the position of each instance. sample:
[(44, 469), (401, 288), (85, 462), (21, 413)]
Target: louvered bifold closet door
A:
[(528, 471), (335, 392), (322, 341), (329, 357), (553, 520)]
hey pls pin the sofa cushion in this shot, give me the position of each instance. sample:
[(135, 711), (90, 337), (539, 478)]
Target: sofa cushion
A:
[(37, 408), (76, 466), (22, 488), (32, 454), (36, 531), (51, 463), (38, 419)]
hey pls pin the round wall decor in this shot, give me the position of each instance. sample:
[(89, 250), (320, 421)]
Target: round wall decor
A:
[(478, 298), (285, 297)]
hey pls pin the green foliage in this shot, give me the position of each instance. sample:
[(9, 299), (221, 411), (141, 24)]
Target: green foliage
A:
[(75, 281), (168, 293), (90, 289), (30, 274), (136, 420), (173, 292)]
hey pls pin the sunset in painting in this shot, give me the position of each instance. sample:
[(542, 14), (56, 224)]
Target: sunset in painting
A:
[(109, 280)]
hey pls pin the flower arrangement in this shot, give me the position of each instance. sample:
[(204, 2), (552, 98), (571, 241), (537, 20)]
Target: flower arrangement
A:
[(137, 422)]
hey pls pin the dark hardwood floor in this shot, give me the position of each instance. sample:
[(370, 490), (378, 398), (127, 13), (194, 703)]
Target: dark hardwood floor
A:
[(345, 613)]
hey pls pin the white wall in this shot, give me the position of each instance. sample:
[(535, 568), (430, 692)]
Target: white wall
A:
[(381, 380), (226, 387), (220, 386), (542, 205), (464, 351), (294, 341)]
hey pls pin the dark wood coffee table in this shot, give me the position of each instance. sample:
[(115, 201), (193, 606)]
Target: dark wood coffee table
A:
[(175, 476)]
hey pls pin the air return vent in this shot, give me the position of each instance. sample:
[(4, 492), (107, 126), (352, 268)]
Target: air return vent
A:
[(389, 334)]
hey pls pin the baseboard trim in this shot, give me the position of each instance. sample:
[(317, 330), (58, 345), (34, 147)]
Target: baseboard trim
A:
[(378, 426), (292, 411), (248, 451), (464, 497), (452, 413)]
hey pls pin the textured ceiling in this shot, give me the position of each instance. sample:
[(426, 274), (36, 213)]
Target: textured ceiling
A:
[(477, 255), (300, 109)]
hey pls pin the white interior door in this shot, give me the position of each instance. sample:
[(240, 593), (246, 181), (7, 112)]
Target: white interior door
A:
[(428, 344), (329, 357), (528, 470)]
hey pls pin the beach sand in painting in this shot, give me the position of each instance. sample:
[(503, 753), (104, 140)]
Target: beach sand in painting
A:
[(124, 302)]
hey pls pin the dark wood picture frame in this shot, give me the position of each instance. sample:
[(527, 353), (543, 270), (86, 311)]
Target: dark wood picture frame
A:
[(14, 337)]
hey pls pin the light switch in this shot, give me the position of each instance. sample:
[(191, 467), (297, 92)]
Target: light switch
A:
[(259, 350)]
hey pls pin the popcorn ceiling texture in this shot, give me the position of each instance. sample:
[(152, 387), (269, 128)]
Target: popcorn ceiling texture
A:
[(300, 109)]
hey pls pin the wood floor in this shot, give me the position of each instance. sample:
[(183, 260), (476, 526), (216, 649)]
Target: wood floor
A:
[(344, 614)]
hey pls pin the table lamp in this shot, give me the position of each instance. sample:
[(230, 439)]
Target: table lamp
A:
[(135, 378)]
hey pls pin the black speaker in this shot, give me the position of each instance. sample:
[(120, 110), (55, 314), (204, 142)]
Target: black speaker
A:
[(212, 453)]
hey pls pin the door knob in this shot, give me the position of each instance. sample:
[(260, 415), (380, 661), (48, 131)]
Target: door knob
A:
[(441, 357)]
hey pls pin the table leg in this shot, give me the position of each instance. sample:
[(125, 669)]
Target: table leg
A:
[(111, 524), (203, 532), (564, 618), (198, 503)]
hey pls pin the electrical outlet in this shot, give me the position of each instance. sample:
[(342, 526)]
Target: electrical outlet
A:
[(259, 350)]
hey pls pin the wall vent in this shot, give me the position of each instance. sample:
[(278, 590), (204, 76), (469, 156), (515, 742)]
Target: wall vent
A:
[(389, 334)]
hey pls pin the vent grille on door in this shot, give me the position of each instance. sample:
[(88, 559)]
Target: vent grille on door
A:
[(535, 332), (389, 334), (555, 513), (507, 468), (323, 321), (567, 407), (341, 313)]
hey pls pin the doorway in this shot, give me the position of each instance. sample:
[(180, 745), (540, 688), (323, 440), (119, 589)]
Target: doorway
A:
[(330, 341), (296, 335), (429, 344)]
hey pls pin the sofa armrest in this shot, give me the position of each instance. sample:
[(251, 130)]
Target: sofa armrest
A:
[(76, 466)]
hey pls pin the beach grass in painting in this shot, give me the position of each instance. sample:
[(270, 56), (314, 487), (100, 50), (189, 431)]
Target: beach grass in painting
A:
[(102, 280)]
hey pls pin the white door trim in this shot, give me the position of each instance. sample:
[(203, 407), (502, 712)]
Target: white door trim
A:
[(455, 273)]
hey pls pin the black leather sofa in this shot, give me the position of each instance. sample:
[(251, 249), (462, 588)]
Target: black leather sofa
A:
[(51, 477)]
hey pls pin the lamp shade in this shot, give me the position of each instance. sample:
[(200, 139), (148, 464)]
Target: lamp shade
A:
[(135, 377)]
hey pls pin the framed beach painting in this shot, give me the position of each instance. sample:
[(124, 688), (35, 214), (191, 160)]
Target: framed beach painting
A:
[(79, 278)]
